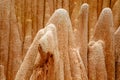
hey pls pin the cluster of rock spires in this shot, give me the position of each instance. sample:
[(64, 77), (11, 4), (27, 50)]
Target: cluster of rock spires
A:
[(60, 51)]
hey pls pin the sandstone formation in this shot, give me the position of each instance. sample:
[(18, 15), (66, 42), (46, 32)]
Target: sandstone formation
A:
[(96, 61), (59, 40), (104, 32)]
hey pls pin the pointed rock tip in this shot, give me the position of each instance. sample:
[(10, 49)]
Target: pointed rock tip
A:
[(41, 31), (91, 43), (106, 11), (105, 17), (46, 42), (61, 12), (84, 6), (101, 42), (50, 27)]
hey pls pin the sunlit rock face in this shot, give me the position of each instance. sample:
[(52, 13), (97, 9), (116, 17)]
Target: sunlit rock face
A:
[(59, 40)]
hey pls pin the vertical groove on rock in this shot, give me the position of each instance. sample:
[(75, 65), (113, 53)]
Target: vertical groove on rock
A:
[(92, 17), (15, 46), (40, 14), (117, 53), (116, 14), (66, 5), (99, 7), (34, 18), (28, 26), (4, 33), (106, 3)]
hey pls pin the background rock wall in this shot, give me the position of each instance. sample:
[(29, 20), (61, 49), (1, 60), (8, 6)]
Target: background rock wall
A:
[(20, 20)]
